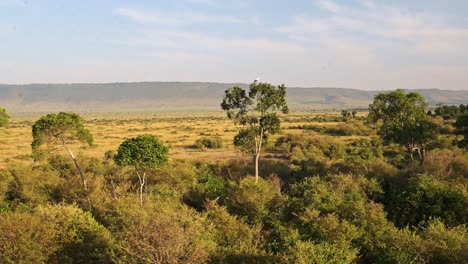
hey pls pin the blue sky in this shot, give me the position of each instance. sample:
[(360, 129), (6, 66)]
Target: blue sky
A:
[(361, 44)]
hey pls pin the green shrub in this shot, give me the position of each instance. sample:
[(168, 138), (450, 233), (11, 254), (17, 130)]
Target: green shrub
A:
[(209, 187), (364, 150), (250, 200), (209, 143), (445, 245), (26, 238), (310, 147), (340, 209), (80, 238), (426, 198), (234, 238), (306, 252), (4, 118), (53, 234), (163, 231)]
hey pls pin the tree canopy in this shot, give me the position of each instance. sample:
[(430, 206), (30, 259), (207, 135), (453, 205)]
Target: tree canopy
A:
[(256, 110), (61, 127), (142, 152), (403, 120)]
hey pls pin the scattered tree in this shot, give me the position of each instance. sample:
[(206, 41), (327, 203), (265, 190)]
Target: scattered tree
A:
[(449, 111), (61, 128), (142, 152), (462, 128), (3, 117), (403, 120), (256, 111)]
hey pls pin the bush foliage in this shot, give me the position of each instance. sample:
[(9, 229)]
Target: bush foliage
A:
[(337, 193)]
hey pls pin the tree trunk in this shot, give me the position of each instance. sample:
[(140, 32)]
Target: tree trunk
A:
[(142, 182), (114, 193), (421, 152), (257, 154), (83, 179)]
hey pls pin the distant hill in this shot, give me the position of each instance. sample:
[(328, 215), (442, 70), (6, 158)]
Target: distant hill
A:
[(180, 96)]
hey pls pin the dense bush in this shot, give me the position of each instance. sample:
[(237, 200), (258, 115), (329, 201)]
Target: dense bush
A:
[(250, 200), (426, 198), (349, 128), (364, 149), (310, 147), (341, 209), (209, 143), (320, 199), (54, 234), (163, 231), (235, 239), (209, 188), (446, 245)]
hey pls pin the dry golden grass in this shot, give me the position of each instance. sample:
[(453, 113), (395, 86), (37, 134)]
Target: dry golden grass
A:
[(178, 131)]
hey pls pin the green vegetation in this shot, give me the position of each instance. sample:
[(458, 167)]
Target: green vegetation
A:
[(256, 111), (143, 152), (61, 128), (328, 191), (209, 143), (450, 111), (403, 120), (461, 125), (4, 117)]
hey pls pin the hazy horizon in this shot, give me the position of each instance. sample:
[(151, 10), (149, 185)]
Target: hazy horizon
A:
[(233, 83), (356, 44)]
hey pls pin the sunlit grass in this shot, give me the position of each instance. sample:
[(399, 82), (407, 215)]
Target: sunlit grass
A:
[(178, 131)]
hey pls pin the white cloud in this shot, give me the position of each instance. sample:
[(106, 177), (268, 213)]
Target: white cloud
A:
[(368, 46), (371, 46), (198, 42), (370, 22)]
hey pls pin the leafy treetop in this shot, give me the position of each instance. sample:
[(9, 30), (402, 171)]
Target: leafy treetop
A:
[(403, 119), (262, 100), (62, 126), (142, 152)]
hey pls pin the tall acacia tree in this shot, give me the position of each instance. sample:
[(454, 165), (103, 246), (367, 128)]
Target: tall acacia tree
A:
[(142, 152), (256, 110), (62, 128), (403, 120)]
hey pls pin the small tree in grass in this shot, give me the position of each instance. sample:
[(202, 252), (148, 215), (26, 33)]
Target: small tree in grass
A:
[(256, 111), (62, 128), (3, 117), (142, 152)]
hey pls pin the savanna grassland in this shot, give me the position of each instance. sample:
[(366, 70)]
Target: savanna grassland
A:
[(377, 186), (179, 131)]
